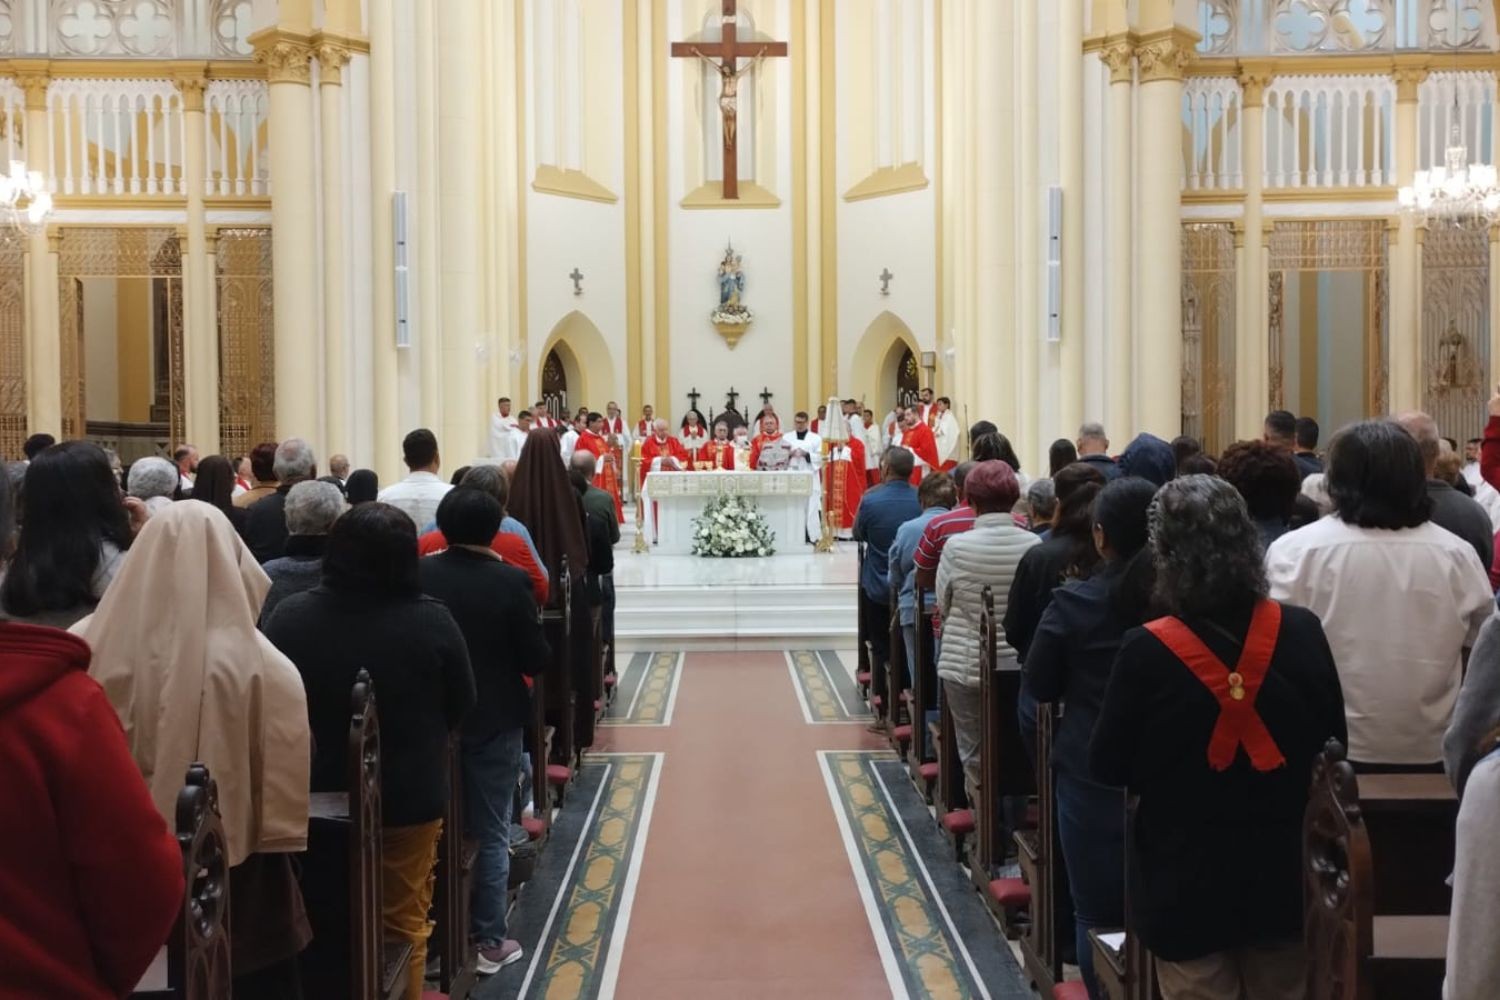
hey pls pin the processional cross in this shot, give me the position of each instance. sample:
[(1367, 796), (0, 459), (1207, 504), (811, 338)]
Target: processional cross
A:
[(693, 397), (724, 56), (765, 396)]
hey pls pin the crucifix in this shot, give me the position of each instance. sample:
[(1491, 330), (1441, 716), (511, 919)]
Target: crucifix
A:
[(733, 398), (724, 56), (577, 277), (885, 281), (694, 396), (765, 396)]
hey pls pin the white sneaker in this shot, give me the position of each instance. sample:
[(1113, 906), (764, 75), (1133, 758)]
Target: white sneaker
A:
[(489, 961)]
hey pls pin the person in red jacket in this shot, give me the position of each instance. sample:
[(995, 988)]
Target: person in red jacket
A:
[(90, 876)]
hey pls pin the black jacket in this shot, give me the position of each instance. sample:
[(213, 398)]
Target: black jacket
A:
[(1040, 572), (265, 526), (493, 605), (1219, 853), (1104, 464), (1463, 516), (419, 663)]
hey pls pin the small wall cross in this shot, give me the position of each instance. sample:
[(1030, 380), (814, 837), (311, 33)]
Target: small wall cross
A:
[(885, 281), (577, 277)]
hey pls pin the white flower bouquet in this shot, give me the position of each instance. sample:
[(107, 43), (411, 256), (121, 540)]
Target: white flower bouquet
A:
[(732, 527)]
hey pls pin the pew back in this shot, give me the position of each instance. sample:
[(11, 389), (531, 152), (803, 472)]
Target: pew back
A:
[(1004, 770)]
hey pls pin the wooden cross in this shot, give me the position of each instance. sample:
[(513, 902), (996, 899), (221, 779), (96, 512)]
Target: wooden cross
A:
[(733, 398), (724, 56), (885, 281), (694, 396), (577, 277), (765, 396)]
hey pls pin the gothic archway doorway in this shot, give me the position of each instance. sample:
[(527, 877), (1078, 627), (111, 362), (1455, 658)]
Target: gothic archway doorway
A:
[(908, 378), (555, 386)]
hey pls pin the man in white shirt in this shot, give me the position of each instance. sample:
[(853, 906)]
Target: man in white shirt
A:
[(568, 442), (186, 460), (418, 495), (947, 432), (501, 424), (1401, 599), (807, 447)]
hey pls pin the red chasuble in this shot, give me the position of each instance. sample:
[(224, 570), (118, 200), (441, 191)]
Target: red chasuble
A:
[(844, 483), (919, 441), (653, 449), (719, 453), (606, 476), (755, 446)]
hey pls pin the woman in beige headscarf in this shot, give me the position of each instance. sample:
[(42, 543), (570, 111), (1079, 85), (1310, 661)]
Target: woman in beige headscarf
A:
[(177, 652)]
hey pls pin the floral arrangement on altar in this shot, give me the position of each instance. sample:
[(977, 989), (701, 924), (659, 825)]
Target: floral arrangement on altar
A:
[(732, 527)]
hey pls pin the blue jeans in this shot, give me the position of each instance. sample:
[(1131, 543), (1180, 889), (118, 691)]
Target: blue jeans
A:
[(909, 637), (1091, 825), (491, 770)]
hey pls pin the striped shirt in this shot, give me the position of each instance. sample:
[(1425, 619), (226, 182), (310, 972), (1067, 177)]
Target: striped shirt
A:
[(955, 522)]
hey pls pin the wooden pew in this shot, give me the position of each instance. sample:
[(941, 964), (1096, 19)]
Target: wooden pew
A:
[(897, 683), (1039, 851), (1124, 972), (455, 878), (1004, 772), (950, 801), (862, 673), (1377, 850), (924, 699), (553, 733), (341, 886), (588, 671), (198, 958)]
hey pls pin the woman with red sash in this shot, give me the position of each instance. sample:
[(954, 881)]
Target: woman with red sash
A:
[(1213, 717)]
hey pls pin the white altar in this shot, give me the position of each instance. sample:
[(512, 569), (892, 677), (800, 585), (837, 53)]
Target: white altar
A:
[(785, 498)]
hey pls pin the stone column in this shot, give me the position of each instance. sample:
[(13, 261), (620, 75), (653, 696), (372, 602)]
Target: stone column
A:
[(43, 350), (1119, 195), (1252, 348), (384, 392), (460, 128), (1069, 49), (287, 57), (1404, 363), (200, 334), (332, 57), (993, 128), (1163, 56)]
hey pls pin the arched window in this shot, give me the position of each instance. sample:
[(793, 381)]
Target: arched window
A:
[(745, 114)]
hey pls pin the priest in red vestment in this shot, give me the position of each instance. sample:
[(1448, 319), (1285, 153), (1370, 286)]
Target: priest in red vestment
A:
[(917, 438), (770, 431), (844, 482), (718, 454), (606, 472), (644, 425), (662, 453)]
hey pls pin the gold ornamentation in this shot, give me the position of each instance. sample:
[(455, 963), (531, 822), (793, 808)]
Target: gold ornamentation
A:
[(191, 86), (12, 343), (1253, 84), (1166, 57), (33, 80), (1119, 55), (1408, 80), (332, 58), (287, 58), (1209, 302), (247, 371)]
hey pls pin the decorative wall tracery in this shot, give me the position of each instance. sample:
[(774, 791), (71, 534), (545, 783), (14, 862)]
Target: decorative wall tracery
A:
[(126, 29), (1456, 328), (1208, 333), (12, 345), (1307, 27)]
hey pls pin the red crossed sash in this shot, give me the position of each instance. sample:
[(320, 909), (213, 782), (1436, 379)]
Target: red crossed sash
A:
[(1239, 724)]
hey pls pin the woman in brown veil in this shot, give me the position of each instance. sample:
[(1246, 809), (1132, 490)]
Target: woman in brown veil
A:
[(542, 499)]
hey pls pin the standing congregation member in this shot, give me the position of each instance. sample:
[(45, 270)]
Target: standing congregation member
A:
[(1149, 457), (36, 444), (1280, 430), (1213, 717), (311, 509), (1473, 960), (1062, 454), (1270, 482), (185, 458), (1093, 448), (177, 652), (92, 874), (881, 514), (1400, 598), (1069, 662), (493, 606), (1041, 507), (338, 468), (1451, 509), (985, 556), (263, 472), (369, 613), (363, 487), (1305, 449), (512, 542), (1068, 553), (215, 487), (76, 527), (542, 499), (154, 482), (419, 494), (1477, 711), (265, 525), (937, 495)]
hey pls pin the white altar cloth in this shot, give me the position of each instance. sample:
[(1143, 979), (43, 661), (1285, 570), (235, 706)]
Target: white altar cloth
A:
[(783, 497)]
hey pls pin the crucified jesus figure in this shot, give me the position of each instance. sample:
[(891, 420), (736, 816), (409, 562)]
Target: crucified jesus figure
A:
[(729, 94)]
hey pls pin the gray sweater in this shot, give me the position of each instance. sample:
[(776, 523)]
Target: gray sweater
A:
[(1473, 959), (1477, 712)]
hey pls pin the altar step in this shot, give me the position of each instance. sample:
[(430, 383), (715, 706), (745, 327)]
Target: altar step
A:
[(735, 617)]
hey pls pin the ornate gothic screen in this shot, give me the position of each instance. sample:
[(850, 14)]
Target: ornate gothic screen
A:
[(247, 375), (1208, 306), (1456, 329), (12, 346), (1306, 27)]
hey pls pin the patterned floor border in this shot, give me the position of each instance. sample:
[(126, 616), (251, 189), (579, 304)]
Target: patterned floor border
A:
[(646, 693), (825, 690), (932, 932), (576, 952)]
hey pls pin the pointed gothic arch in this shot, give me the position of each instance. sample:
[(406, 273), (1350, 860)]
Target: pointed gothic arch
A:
[(583, 363), (880, 361)]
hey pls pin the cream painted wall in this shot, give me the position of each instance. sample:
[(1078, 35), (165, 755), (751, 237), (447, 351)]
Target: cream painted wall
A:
[(897, 231), (696, 239)]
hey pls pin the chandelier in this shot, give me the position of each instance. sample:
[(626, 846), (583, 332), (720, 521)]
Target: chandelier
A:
[(1457, 193), (24, 198)]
